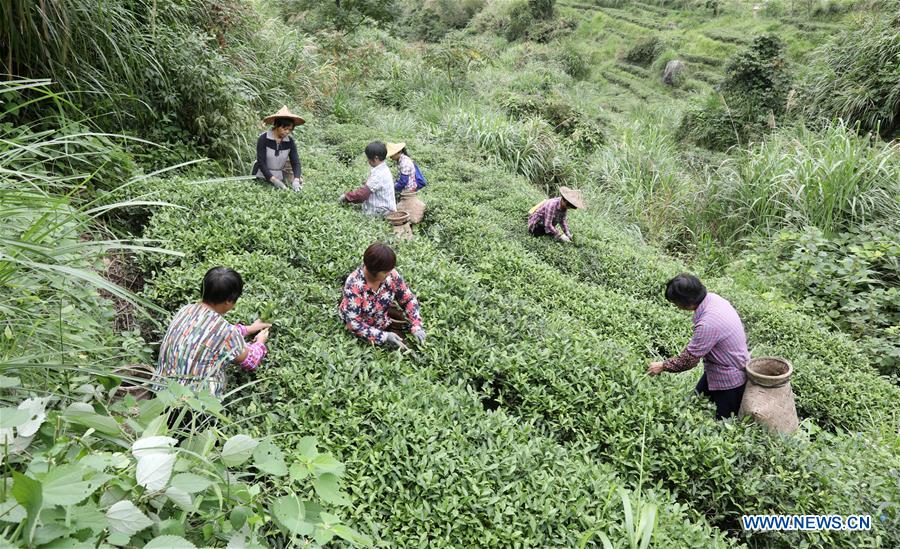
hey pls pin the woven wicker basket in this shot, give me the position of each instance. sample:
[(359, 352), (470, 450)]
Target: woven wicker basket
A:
[(768, 397)]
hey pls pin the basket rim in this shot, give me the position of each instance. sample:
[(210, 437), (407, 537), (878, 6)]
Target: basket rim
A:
[(757, 377)]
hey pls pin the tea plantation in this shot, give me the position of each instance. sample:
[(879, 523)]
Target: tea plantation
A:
[(528, 406), (527, 418)]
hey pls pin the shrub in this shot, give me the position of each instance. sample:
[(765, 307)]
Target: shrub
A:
[(753, 93), (645, 52), (574, 60), (852, 278), (535, 20), (565, 119), (433, 19)]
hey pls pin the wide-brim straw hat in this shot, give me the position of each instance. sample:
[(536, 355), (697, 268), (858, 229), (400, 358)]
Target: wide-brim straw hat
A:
[(572, 196), (394, 148), (284, 112)]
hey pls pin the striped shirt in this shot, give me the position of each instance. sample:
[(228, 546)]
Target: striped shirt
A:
[(382, 200), (547, 216), (197, 347), (720, 340)]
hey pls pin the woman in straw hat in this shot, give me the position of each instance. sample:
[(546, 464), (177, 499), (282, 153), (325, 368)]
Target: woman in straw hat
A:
[(275, 147), (545, 217), (409, 178)]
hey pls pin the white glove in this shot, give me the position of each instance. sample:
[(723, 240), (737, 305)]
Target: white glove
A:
[(419, 335), (278, 185), (393, 340), (342, 200), (564, 238)]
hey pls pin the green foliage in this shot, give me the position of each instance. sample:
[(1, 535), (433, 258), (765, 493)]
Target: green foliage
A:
[(832, 179), (574, 60), (195, 72), (433, 19), (753, 93), (108, 470), (854, 76), (566, 120), (342, 15), (852, 278), (455, 58), (645, 52), (535, 20)]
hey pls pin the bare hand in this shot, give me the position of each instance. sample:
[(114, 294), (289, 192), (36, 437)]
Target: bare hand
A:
[(257, 326), (262, 336), (656, 368)]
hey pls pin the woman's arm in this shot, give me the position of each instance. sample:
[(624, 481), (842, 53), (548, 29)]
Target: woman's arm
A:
[(295, 160), (261, 157)]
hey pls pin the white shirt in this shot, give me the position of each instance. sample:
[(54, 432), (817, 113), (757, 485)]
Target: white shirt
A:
[(381, 185)]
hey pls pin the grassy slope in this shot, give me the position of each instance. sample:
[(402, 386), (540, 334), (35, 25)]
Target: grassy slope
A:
[(426, 461)]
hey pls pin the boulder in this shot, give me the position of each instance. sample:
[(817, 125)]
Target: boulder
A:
[(672, 72)]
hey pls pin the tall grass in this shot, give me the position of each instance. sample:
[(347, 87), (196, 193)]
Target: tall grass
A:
[(831, 179), (641, 174), (528, 147), (52, 251), (856, 75), (194, 73)]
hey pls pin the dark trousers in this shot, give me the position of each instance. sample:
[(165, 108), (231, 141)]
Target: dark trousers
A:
[(727, 402), (538, 230)]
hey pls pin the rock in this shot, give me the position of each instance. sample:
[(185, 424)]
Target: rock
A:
[(671, 75)]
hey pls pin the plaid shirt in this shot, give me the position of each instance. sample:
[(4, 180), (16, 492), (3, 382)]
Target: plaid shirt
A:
[(720, 340), (548, 215), (365, 312)]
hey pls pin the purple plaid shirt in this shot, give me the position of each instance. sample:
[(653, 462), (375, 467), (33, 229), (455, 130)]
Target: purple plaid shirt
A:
[(720, 340), (548, 215)]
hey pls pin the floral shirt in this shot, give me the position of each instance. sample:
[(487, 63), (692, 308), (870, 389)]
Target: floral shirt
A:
[(406, 178), (548, 215), (365, 312)]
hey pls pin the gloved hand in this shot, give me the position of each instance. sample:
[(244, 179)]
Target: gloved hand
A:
[(419, 335), (342, 200), (564, 238), (278, 184), (393, 340), (297, 184)]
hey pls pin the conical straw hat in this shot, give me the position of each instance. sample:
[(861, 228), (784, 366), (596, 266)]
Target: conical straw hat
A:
[(394, 148), (284, 113), (572, 196)]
